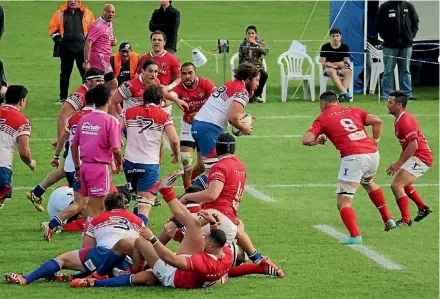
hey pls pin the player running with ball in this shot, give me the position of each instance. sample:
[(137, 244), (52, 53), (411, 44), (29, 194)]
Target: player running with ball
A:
[(344, 126)]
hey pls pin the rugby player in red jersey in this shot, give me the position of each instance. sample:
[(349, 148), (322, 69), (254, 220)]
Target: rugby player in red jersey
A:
[(416, 158), (344, 126), (195, 91)]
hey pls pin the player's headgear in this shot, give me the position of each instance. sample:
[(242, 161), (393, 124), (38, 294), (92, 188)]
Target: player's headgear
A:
[(225, 144), (218, 237), (328, 97), (89, 97), (158, 32), (114, 201), (148, 62), (246, 71), (399, 97), (101, 94), (15, 93), (153, 95), (94, 74)]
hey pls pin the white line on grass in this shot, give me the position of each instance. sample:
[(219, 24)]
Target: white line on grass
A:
[(369, 253), (258, 194), (167, 145), (294, 116)]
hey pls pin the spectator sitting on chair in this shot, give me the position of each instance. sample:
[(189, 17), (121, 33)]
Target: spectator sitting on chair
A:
[(252, 50), (335, 58), (124, 63)]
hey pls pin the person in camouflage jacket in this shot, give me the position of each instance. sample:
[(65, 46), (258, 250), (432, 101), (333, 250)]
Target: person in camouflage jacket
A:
[(252, 50)]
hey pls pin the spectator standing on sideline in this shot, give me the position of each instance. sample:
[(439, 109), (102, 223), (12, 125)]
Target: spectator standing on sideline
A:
[(3, 83), (335, 59), (166, 19), (2, 21), (252, 50), (397, 23), (98, 47), (68, 28), (124, 63)]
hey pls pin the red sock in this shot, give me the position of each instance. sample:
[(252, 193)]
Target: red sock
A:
[(168, 194), (403, 203), (412, 193), (378, 199), (186, 184), (74, 226), (348, 216), (245, 269)]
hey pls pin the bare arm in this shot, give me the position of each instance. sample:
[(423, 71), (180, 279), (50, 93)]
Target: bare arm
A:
[(61, 141), (24, 149), (117, 156), (413, 145), (114, 100), (376, 123), (177, 261), (310, 139), (214, 189), (87, 49), (173, 138), (234, 115), (66, 111)]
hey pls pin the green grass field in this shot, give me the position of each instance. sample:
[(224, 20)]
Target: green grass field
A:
[(317, 266)]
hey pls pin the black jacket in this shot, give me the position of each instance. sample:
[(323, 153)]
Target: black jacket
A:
[(397, 23), (168, 21), (2, 21)]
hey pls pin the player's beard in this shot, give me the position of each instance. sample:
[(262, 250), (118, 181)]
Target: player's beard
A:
[(189, 84)]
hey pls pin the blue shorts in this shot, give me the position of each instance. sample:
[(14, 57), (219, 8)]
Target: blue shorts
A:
[(93, 257), (205, 135), (74, 184), (201, 181), (141, 177), (5, 182)]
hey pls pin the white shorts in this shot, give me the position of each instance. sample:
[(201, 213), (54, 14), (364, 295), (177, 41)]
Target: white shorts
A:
[(226, 225), (415, 166), (356, 167), (164, 273), (185, 132)]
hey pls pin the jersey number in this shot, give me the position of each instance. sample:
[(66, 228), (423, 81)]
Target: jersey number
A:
[(238, 196), (216, 94), (120, 222), (349, 126), (145, 123)]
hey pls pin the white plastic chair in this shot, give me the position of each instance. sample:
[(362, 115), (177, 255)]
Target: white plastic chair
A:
[(293, 60), (324, 78), (234, 64), (377, 67)]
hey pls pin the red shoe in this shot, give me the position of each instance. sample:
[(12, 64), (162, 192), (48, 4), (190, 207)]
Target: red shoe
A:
[(83, 282), (63, 277), (271, 269), (15, 278)]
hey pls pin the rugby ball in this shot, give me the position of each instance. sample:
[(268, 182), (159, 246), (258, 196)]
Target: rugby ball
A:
[(246, 119)]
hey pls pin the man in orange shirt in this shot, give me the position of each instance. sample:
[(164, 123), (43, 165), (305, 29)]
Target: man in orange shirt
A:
[(124, 63), (68, 28)]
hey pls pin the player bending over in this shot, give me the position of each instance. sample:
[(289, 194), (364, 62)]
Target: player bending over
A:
[(344, 126), (416, 158), (103, 232)]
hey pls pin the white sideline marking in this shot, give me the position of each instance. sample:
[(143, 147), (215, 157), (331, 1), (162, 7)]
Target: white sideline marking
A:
[(369, 253), (258, 194), (294, 116)]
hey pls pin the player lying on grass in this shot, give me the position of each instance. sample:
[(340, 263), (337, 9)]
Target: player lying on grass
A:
[(126, 247), (104, 231), (416, 159), (344, 126)]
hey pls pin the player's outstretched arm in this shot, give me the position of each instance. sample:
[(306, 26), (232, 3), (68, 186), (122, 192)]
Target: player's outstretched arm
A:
[(60, 145), (173, 138), (212, 193), (164, 253), (24, 151), (376, 123), (173, 98), (114, 100)]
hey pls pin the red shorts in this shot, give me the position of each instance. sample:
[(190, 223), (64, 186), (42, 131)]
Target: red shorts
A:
[(101, 62), (95, 179)]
